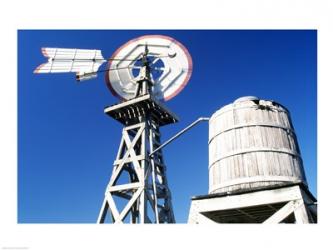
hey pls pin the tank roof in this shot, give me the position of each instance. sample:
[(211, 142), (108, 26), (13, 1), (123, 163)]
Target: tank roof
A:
[(246, 98)]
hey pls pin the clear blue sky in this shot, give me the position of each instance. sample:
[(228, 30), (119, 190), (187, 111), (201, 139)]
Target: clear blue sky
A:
[(66, 145)]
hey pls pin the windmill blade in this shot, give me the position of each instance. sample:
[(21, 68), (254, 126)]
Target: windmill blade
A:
[(80, 61)]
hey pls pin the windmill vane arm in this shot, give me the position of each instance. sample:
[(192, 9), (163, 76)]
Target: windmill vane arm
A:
[(82, 76), (78, 60), (85, 76), (139, 57)]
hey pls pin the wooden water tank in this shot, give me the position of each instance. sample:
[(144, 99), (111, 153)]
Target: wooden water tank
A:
[(252, 144)]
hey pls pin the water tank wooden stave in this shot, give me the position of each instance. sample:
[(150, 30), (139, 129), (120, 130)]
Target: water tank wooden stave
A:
[(252, 144)]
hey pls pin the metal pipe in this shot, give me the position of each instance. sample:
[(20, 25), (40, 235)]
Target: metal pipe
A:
[(179, 134)]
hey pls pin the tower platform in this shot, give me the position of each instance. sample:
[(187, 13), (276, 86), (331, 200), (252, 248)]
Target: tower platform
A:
[(130, 112)]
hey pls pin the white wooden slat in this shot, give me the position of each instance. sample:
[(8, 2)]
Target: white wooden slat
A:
[(112, 206), (69, 54), (253, 179), (250, 199), (134, 185), (69, 66), (129, 159)]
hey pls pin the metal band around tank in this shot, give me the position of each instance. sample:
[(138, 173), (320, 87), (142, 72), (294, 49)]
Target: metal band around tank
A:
[(272, 125), (247, 180), (238, 152)]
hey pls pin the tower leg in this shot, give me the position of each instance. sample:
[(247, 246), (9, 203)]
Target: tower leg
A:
[(301, 214)]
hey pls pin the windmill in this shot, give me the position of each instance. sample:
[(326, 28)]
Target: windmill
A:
[(143, 73)]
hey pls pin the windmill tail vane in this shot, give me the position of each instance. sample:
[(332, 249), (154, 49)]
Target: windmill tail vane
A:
[(84, 62)]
